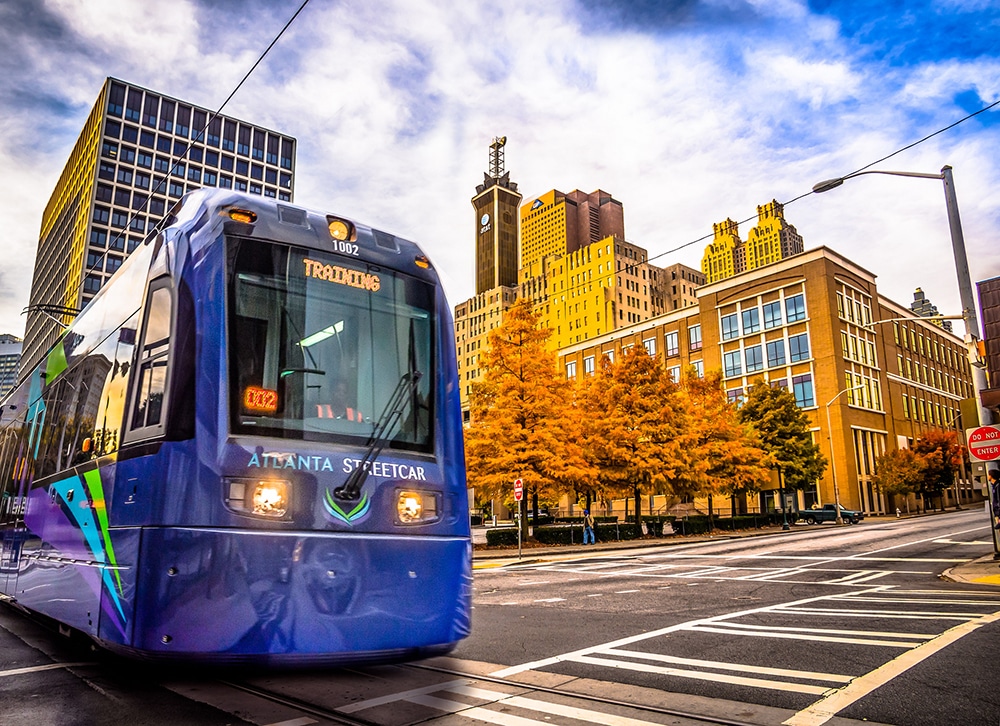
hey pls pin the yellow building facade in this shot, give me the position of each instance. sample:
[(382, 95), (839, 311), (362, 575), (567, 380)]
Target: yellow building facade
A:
[(772, 239), (816, 325)]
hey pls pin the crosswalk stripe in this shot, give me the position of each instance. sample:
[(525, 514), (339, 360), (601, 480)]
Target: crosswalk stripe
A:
[(741, 667), (702, 676), (721, 628)]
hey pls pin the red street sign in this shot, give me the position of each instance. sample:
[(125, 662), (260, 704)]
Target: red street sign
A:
[(518, 490), (984, 443)]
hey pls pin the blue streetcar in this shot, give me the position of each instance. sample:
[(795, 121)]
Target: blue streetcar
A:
[(246, 448)]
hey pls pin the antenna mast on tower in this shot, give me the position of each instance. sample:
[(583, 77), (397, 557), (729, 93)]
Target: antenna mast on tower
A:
[(496, 156)]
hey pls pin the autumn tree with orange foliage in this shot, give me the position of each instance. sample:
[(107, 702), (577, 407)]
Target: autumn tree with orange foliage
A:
[(634, 427), (523, 421), (898, 473), (725, 453), (941, 455)]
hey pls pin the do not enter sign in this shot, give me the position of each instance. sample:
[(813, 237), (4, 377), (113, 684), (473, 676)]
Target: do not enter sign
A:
[(984, 443), (518, 490)]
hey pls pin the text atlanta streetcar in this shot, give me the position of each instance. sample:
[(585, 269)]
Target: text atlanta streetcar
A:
[(246, 448)]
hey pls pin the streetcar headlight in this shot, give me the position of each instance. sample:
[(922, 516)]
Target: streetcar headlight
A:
[(263, 498), (416, 507)]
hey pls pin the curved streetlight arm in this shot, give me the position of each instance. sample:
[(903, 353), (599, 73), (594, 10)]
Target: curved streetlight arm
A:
[(833, 459), (827, 185)]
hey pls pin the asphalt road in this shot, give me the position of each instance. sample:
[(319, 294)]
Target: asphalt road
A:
[(776, 620), (817, 625)]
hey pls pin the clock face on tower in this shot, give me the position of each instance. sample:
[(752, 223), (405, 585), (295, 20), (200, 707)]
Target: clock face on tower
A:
[(484, 220)]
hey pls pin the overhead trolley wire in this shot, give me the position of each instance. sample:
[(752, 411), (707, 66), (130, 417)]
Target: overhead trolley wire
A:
[(199, 136)]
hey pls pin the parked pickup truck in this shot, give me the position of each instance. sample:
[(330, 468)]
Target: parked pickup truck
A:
[(829, 514)]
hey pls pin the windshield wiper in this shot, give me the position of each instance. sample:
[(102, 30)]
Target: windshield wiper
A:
[(394, 409)]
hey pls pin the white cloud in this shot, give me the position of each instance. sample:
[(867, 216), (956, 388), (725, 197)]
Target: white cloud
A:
[(395, 103)]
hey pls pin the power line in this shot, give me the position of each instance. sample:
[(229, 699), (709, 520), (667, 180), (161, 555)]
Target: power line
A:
[(161, 186), (863, 168)]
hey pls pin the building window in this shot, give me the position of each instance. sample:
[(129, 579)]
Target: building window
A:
[(571, 369), (183, 127), (98, 237), (798, 347), (124, 177), (109, 150), (112, 263), (112, 129), (699, 368), (751, 321), (772, 314), (287, 152), (694, 337), (162, 164), (149, 110), (116, 100), (106, 171), (795, 308), (176, 190), (674, 374), (775, 353), (754, 358), (164, 144), (225, 182), (117, 243), (142, 181), (194, 174), (102, 214), (210, 179), (802, 389), (147, 139), (214, 130), (123, 197), (670, 341), (730, 327), (588, 365), (92, 284), (731, 364), (119, 219), (735, 396), (130, 134)]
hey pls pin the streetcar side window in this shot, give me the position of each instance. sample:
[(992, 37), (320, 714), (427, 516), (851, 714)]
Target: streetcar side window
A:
[(153, 360)]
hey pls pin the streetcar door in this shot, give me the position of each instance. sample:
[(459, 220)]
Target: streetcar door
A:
[(13, 478)]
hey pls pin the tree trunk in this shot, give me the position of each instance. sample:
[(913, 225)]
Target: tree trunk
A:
[(711, 522)]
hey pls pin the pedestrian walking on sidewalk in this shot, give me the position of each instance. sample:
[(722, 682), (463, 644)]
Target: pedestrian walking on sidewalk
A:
[(588, 528)]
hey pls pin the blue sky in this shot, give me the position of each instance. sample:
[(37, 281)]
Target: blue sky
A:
[(688, 112)]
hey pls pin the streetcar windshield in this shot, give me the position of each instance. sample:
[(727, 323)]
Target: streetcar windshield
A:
[(323, 347)]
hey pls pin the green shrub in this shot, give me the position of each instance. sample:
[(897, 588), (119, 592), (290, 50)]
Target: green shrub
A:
[(502, 537)]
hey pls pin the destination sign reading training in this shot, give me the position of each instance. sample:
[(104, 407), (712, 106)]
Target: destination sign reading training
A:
[(342, 275)]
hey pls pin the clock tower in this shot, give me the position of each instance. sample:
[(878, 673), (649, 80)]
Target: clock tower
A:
[(496, 203)]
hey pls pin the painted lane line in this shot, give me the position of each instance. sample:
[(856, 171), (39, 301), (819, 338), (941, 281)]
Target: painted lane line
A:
[(48, 667), (549, 707), (827, 707), (702, 676), (625, 592), (551, 599), (861, 555), (799, 636), (476, 712), (863, 576), (401, 696), (534, 665), (723, 666), (303, 721)]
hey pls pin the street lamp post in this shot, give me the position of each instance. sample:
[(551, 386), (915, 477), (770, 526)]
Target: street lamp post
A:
[(961, 269), (833, 459), (964, 289)]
